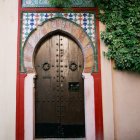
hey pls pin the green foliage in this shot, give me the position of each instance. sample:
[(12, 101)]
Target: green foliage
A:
[(122, 34)]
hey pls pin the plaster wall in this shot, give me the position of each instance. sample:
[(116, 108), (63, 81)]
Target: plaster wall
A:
[(121, 101), (107, 96), (8, 49), (126, 94)]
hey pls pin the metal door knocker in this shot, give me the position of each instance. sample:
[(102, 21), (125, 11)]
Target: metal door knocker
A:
[(46, 66), (73, 66)]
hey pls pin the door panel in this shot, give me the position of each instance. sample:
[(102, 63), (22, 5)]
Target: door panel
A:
[(59, 89)]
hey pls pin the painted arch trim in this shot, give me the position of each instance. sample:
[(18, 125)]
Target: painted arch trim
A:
[(58, 25)]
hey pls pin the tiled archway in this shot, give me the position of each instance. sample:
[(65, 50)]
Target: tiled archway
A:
[(66, 26), (77, 33)]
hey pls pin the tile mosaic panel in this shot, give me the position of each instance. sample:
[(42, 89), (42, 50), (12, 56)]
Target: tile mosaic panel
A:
[(86, 20), (31, 20), (45, 3)]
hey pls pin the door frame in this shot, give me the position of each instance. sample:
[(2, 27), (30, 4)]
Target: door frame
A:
[(31, 45), (29, 107), (21, 76)]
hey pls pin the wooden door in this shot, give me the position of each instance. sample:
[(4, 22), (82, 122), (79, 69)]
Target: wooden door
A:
[(59, 89)]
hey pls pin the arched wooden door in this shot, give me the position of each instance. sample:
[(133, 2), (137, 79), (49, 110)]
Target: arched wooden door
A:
[(59, 89)]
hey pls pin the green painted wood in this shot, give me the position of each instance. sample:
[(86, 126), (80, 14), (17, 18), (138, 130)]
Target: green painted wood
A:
[(45, 3)]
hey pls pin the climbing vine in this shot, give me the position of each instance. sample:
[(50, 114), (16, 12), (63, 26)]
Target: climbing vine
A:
[(122, 33)]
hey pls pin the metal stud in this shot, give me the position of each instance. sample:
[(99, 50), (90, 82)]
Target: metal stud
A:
[(62, 77)]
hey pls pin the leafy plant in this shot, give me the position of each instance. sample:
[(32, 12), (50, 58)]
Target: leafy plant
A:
[(122, 33)]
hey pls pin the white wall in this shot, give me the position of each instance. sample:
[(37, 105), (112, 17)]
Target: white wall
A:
[(126, 105), (8, 48), (107, 96), (121, 101)]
